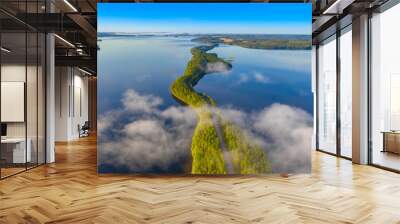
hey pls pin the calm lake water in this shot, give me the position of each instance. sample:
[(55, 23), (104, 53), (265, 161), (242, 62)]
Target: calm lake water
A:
[(150, 64)]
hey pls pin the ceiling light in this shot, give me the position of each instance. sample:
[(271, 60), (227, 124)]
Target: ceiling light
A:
[(79, 51), (84, 71), (334, 5), (70, 5), (5, 50), (337, 7), (64, 40)]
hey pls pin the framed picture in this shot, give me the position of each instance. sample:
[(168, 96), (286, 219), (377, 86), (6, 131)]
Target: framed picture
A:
[(216, 88)]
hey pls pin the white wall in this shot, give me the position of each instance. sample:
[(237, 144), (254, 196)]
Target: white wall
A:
[(13, 101), (16, 73), (33, 126), (70, 84), (80, 109), (62, 82)]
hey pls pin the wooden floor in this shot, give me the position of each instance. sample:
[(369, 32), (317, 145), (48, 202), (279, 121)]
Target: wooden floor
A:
[(70, 191), (5, 172), (387, 159)]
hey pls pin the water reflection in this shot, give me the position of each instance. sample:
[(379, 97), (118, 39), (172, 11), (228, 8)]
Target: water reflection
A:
[(150, 64)]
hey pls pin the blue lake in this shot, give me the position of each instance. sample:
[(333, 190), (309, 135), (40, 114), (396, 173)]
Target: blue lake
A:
[(150, 64)]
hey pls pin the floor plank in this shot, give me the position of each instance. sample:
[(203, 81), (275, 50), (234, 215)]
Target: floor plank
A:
[(71, 191)]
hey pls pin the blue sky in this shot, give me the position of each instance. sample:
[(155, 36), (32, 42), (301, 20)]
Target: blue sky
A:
[(284, 18)]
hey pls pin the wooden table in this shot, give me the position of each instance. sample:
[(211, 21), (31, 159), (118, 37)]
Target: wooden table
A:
[(391, 141), (13, 150)]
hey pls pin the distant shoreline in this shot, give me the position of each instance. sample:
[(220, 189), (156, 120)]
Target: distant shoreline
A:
[(251, 41), (296, 36)]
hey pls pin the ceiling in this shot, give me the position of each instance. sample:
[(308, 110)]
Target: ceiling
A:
[(331, 15), (73, 21)]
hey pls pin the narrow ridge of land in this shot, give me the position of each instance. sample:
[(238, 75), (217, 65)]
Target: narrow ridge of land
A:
[(218, 146), (207, 156), (225, 152)]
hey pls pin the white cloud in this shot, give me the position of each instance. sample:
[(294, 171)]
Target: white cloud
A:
[(144, 144), (258, 77), (156, 138), (217, 67), (253, 77), (179, 114), (234, 115), (290, 131), (283, 131), (134, 102), (243, 78), (106, 120), (141, 137)]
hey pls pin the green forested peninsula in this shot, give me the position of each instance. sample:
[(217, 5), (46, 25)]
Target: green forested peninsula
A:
[(248, 158), (280, 43), (206, 149), (206, 152)]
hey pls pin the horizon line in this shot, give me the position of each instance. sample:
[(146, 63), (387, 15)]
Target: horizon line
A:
[(155, 32)]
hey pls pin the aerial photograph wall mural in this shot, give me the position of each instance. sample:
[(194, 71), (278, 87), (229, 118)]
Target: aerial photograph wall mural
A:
[(204, 88)]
